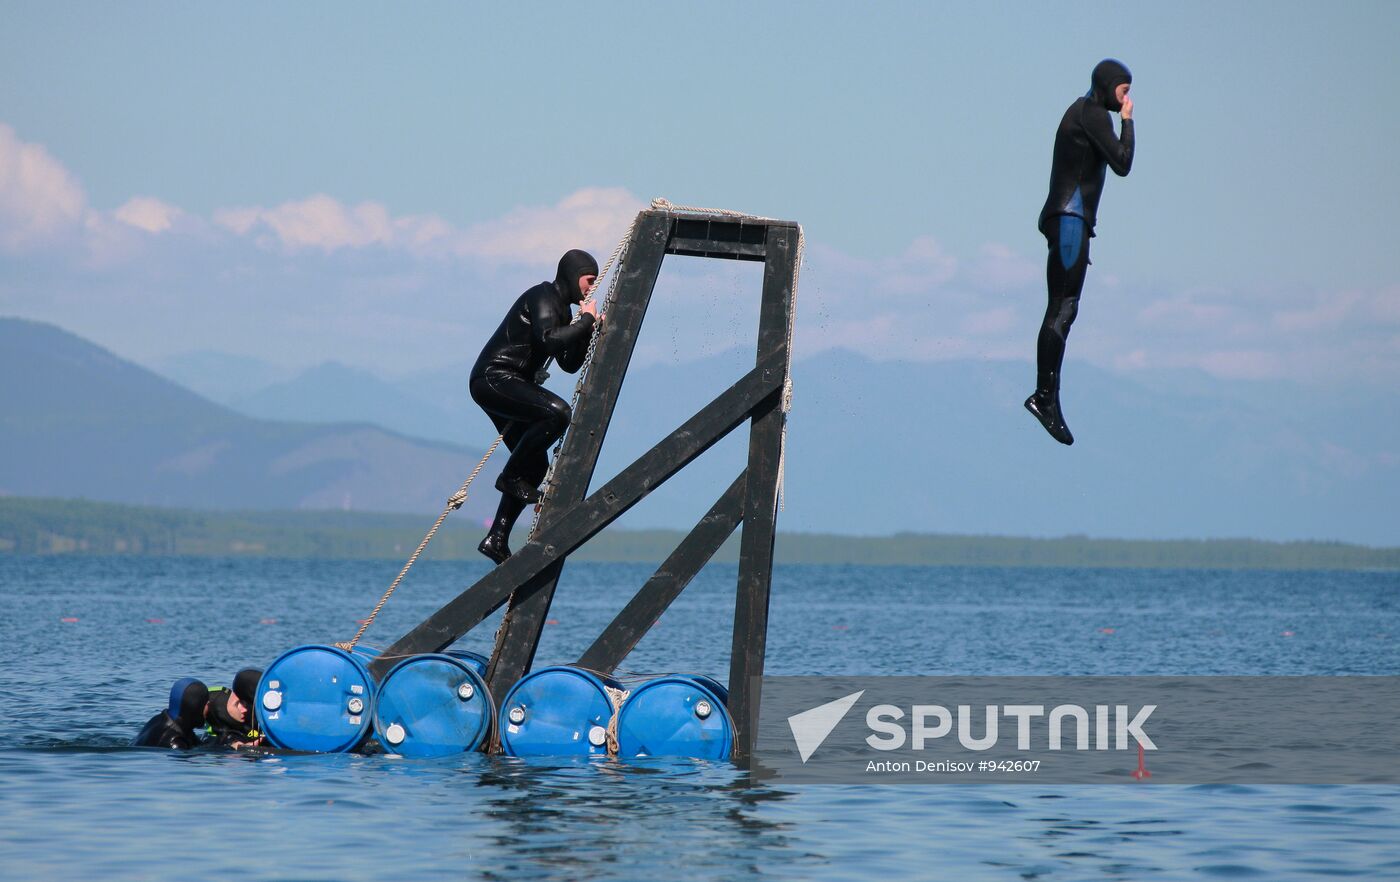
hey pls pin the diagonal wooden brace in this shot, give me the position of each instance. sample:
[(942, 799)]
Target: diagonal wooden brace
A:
[(667, 583), (756, 395)]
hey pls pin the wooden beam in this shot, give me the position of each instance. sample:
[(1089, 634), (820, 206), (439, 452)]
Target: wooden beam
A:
[(666, 584), (761, 501)]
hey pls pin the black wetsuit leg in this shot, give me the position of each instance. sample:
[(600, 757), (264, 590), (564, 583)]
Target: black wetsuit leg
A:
[(1068, 239), (529, 416), (1068, 261)]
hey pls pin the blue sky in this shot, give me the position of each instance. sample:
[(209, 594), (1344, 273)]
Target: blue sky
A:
[(370, 183)]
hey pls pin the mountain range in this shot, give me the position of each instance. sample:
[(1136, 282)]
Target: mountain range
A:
[(874, 447), (76, 421)]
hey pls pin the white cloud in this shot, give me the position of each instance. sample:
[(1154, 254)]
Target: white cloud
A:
[(148, 213), (592, 218), (321, 222), (39, 200), (588, 218)]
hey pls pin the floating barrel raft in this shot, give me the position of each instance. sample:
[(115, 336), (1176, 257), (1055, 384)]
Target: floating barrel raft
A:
[(676, 715), (316, 698), (558, 711), (322, 699), (433, 705)]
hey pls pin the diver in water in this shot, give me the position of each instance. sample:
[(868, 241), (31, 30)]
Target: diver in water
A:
[(175, 727), (228, 719), (506, 383), (1085, 146)]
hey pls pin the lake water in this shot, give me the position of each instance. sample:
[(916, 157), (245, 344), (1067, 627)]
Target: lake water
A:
[(75, 803)]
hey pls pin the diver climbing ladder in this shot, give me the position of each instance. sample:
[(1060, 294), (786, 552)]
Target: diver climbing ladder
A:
[(570, 516)]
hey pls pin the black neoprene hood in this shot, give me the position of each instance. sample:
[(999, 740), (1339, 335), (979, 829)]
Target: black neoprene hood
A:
[(574, 265), (1108, 75), (245, 684)]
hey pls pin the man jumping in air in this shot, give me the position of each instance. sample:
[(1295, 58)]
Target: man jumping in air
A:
[(1084, 146)]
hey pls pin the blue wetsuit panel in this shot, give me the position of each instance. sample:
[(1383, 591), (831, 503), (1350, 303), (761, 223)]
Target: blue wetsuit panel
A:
[(1071, 239)]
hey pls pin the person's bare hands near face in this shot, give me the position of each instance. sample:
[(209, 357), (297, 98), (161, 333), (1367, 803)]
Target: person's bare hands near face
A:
[(588, 307), (1122, 95)]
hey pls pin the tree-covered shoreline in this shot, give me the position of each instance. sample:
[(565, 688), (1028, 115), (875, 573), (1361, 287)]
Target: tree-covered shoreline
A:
[(54, 526)]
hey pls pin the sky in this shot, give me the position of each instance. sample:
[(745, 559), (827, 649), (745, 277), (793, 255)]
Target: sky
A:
[(373, 184)]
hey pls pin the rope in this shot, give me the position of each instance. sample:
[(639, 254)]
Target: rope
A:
[(454, 502), (617, 697)]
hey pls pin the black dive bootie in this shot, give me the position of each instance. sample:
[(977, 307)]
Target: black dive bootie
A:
[(1044, 405), (494, 546), (519, 488)]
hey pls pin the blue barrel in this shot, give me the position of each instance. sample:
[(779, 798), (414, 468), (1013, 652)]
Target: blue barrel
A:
[(557, 711), (316, 698), (432, 705), (676, 715), (477, 661)]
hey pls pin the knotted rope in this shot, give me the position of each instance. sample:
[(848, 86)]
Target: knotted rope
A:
[(454, 502)]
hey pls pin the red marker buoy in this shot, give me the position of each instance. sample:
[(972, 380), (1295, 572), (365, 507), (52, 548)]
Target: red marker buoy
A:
[(68, 620), (551, 621), (1107, 630), (267, 621), (1141, 771), (155, 621), (1288, 633)]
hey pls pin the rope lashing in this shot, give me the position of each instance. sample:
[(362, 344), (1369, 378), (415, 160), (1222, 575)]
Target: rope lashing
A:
[(617, 697)]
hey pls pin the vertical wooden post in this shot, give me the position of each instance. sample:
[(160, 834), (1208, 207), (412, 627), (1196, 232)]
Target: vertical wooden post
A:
[(761, 501)]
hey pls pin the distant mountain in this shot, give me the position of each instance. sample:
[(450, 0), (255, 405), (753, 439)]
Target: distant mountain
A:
[(333, 392), (220, 376), (76, 421)]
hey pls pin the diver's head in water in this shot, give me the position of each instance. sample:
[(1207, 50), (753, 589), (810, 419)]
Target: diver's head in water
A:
[(245, 686), (577, 272), (188, 698), (1108, 76), (225, 710)]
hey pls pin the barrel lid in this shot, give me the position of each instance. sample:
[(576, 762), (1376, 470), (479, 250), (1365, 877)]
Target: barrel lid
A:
[(316, 698), (557, 711), (433, 705)]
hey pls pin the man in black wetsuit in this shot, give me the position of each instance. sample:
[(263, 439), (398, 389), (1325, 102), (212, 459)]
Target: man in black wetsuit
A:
[(506, 383), (1085, 146), (175, 727), (228, 719)]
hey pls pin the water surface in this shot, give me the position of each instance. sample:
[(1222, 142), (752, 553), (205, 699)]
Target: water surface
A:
[(75, 803)]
